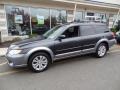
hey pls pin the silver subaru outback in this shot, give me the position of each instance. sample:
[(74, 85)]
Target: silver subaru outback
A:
[(61, 42)]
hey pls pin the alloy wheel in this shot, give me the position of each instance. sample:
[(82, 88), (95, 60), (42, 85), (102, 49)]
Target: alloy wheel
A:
[(40, 62)]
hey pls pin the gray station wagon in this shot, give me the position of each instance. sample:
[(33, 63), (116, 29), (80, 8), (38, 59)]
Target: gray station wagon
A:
[(61, 42)]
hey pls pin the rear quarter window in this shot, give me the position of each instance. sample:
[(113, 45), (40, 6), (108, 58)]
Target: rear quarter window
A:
[(93, 29), (100, 29)]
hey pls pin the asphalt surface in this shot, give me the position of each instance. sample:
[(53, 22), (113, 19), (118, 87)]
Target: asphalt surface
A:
[(79, 73)]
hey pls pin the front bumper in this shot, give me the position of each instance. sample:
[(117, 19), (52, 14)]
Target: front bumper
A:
[(18, 60)]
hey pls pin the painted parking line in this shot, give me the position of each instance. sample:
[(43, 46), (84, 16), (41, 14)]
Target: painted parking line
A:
[(1, 64), (11, 72)]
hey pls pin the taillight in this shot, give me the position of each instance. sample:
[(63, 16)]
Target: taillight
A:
[(113, 34)]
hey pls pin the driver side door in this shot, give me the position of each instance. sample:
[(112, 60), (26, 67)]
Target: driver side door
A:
[(68, 45)]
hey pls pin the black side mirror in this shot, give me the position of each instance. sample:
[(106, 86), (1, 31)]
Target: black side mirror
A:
[(61, 37)]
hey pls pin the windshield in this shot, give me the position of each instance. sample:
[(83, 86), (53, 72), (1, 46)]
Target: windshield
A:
[(52, 33)]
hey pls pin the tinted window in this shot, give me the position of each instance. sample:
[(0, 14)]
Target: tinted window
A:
[(86, 30), (93, 29), (72, 32), (100, 29)]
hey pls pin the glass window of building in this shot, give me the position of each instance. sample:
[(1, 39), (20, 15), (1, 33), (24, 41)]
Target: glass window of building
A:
[(112, 18), (90, 14), (101, 17), (40, 20), (78, 16), (18, 20), (58, 17)]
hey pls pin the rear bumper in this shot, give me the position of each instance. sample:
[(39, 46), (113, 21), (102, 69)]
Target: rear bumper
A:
[(112, 42)]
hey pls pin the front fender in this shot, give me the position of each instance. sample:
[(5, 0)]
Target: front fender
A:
[(40, 49)]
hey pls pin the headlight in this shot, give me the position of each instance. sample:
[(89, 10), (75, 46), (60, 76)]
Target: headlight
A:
[(14, 47), (14, 52)]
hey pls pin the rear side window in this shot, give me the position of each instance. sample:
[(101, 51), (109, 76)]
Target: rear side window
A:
[(93, 29), (86, 30), (100, 29)]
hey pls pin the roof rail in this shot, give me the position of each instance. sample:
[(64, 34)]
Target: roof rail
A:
[(87, 21)]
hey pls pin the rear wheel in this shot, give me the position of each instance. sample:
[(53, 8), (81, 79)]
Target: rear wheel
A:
[(101, 50), (39, 62)]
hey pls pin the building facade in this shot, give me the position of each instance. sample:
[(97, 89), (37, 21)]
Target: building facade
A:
[(20, 18)]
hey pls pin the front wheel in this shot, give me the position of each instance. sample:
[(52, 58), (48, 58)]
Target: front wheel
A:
[(101, 50), (39, 62)]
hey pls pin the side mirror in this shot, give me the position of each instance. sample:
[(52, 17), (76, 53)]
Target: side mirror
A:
[(61, 37)]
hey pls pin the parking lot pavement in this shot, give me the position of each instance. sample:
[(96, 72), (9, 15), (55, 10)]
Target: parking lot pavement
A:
[(80, 73)]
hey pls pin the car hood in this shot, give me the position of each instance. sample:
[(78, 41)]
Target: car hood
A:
[(30, 42)]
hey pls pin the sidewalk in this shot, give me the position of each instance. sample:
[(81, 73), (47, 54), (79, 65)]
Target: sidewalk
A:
[(3, 48), (3, 51)]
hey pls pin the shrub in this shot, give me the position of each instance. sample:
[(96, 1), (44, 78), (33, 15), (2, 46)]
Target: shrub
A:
[(115, 29)]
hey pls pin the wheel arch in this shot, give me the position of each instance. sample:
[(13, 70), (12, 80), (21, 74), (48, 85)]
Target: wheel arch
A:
[(40, 49), (102, 41)]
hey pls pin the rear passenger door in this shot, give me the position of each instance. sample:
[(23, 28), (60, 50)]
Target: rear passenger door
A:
[(88, 37)]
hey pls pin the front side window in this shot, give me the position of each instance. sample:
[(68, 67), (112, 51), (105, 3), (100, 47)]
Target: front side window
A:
[(52, 33), (71, 32)]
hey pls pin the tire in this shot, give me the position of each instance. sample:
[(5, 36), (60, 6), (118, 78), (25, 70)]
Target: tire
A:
[(101, 50), (39, 62)]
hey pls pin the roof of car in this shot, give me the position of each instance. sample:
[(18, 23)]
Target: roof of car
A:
[(90, 23)]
